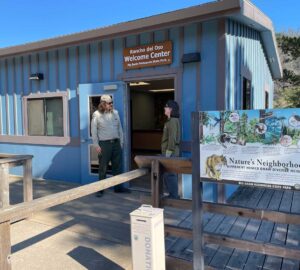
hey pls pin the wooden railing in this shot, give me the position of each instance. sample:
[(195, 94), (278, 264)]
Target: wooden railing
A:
[(23, 210), (159, 165), (8, 161)]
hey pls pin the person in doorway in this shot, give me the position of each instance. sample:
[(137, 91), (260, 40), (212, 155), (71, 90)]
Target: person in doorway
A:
[(170, 144), (107, 137)]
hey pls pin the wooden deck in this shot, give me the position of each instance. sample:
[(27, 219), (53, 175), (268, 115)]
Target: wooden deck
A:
[(94, 233), (249, 229), (87, 233)]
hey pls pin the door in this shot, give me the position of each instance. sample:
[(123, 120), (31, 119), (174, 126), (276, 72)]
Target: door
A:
[(89, 97)]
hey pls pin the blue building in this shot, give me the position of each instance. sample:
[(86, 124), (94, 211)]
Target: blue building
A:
[(219, 55)]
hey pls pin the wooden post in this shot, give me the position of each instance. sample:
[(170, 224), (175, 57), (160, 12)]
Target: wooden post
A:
[(198, 258), (27, 180), (156, 183), (5, 246), (221, 193), (4, 185)]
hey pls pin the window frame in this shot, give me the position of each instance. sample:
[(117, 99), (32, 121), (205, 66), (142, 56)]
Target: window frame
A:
[(246, 75), (55, 140), (245, 101)]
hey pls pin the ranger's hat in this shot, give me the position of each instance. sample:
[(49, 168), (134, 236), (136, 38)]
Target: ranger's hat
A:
[(106, 98)]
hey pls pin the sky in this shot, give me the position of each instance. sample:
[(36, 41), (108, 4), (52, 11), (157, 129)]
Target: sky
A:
[(24, 21)]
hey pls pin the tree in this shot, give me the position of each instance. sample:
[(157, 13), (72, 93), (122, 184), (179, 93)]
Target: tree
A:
[(287, 96)]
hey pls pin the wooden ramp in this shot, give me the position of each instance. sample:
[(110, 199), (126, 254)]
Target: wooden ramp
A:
[(87, 233), (259, 231), (94, 233)]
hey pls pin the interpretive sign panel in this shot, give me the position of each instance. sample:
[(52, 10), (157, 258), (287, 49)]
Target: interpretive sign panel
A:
[(147, 56), (253, 147)]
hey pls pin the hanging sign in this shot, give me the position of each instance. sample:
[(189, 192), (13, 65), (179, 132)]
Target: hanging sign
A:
[(252, 147), (148, 56)]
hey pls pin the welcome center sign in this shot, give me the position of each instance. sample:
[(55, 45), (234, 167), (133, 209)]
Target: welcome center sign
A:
[(252, 147), (148, 55)]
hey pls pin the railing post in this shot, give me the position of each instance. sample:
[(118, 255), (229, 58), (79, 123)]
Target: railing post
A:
[(4, 185), (156, 183), (27, 180), (197, 203), (5, 246), (221, 193)]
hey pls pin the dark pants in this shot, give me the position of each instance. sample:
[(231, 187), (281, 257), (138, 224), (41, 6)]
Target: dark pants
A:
[(111, 151), (171, 182)]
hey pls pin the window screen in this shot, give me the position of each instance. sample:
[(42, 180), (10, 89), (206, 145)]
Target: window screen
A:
[(45, 117)]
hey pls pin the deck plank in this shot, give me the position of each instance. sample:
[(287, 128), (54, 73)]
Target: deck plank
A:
[(296, 202), (293, 236), (221, 257), (275, 200), (279, 234), (251, 229), (254, 261), (273, 263), (237, 260), (286, 202), (265, 199), (238, 227), (212, 225), (288, 264), (265, 231), (223, 254)]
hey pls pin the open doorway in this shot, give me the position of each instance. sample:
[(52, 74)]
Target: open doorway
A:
[(147, 101)]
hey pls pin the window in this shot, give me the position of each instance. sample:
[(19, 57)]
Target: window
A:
[(247, 95), (45, 115), (266, 99)]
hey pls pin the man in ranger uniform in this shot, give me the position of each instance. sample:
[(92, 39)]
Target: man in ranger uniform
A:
[(107, 137)]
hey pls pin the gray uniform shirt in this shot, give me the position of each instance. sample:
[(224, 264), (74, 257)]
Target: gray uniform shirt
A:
[(106, 126)]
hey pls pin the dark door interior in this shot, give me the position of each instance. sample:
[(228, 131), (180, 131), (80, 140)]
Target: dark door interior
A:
[(147, 99)]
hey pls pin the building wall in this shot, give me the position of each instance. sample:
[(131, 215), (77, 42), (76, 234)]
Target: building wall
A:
[(245, 56), (98, 61), (197, 85)]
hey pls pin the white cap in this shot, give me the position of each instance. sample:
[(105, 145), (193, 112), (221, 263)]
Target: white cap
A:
[(106, 98)]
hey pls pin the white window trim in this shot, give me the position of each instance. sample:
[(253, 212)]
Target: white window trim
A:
[(48, 139)]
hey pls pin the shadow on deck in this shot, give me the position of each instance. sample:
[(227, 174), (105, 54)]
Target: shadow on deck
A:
[(87, 233), (94, 233)]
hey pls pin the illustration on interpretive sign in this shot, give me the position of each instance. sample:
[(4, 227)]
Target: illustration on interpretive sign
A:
[(254, 147)]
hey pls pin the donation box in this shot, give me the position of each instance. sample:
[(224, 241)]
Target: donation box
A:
[(147, 238)]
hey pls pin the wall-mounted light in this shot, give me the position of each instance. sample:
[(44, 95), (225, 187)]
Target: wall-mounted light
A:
[(162, 90), (36, 76), (139, 83), (191, 57)]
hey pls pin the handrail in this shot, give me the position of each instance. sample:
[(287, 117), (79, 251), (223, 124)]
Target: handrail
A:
[(23, 210), (20, 211), (159, 165), (176, 164), (9, 161)]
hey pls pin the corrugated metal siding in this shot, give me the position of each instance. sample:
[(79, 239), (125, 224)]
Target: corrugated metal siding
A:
[(65, 68), (98, 61), (244, 51)]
